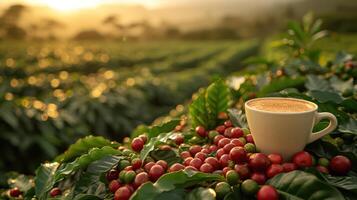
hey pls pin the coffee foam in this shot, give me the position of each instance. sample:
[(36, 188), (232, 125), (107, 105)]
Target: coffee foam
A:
[(281, 105)]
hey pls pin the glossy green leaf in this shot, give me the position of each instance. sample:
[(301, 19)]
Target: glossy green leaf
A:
[(44, 179), (349, 127), (163, 137), (314, 82), (238, 118), (198, 112), (299, 185), (82, 146), (170, 156), (326, 96), (281, 84)]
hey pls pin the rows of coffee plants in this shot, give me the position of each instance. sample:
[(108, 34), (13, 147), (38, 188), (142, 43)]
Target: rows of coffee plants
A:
[(53, 94), (204, 149)]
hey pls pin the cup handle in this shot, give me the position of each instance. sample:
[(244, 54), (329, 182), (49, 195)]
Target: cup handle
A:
[(332, 125)]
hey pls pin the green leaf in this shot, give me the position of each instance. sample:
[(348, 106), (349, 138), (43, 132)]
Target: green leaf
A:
[(169, 156), (281, 84), (84, 160), (350, 105), (44, 179), (162, 128), (218, 99), (162, 138), (83, 145), (326, 96), (198, 112), (317, 83), (172, 182), (141, 129), (349, 127), (238, 118), (341, 86), (201, 193), (305, 186)]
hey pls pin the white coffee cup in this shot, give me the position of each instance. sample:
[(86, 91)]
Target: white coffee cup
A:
[(285, 133)]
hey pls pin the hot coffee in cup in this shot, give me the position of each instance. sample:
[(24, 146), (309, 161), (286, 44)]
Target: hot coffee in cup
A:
[(284, 125)]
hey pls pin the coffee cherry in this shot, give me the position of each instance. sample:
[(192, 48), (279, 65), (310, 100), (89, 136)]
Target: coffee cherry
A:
[(165, 147), (114, 185), (201, 156), (232, 177), (144, 138), (340, 165), (191, 168), (179, 139), (129, 177), (322, 169), (200, 130), (242, 140), (222, 115), (246, 131), (249, 138), (137, 144), (302, 159), (223, 161), (212, 134), (128, 168), (140, 179), (228, 132), (258, 177), (275, 158), (162, 163), (243, 170), (267, 192), (237, 142), (15, 192), (176, 167), (222, 188), (220, 152), (221, 129), (187, 161), (206, 168), (213, 148), (223, 142), (274, 169), (217, 139), (288, 167), (122, 176), (185, 154), (227, 148), (249, 187), (236, 133), (155, 172), (323, 162), (196, 162), (136, 163), (55, 192), (212, 161), (259, 162), (238, 155), (228, 123), (249, 148), (123, 193), (112, 175), (148, 166), (195, 149)]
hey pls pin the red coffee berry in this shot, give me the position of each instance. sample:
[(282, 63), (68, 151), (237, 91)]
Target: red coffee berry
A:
[(205, 151), (258, 177), (228, 123), (176, 167), (195, 149), (200, 130), (55, 192), (275, 158), (227, 148), (302, 159), (165, 147), (191, 168), (140, 179), (236, 132), (196, 162), (225, 170), (223, 142), (112, 175), (267, 192), (237, 142), (15, 192), (155, 172), (144, 138), (340, 165), (162, 163), (217, 138), (136, 163), (221, 129), (228, 132), (114, 185), (219, 153), (288, 167), (212, 161), (201, 156), (148, 166), (206, 168), (213, 148), (137, 144), (185, 154), (223, 161), (123, 193), (274, 169), (238, 155), (259, 162), (222, 115), (249, 138), (179, 139), (322, 169), (242, 170), (187, 161)]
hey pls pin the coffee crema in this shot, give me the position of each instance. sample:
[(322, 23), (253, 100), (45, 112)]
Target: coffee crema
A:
[(281, 105)]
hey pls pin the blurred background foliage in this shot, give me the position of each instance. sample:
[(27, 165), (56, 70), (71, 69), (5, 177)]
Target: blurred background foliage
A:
[(60, 80)]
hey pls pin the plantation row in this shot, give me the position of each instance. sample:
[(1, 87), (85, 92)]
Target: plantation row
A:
[(52, 95)]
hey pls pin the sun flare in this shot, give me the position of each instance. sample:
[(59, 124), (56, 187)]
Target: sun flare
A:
[(70, 5)]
